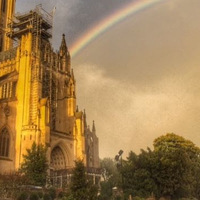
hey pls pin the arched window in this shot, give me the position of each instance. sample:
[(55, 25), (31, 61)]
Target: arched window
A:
[(4, 142), (57, 159)]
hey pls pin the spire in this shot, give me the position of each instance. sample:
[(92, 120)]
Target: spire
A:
[(72, 74), (65, 56), (84, 114), (63, 46), (93, 127), (77, 110), (84, 119)]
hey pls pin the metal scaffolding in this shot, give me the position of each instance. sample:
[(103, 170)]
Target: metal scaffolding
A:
[(38, 22)]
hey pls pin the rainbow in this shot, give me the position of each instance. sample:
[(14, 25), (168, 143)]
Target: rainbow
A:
[(110, 21)]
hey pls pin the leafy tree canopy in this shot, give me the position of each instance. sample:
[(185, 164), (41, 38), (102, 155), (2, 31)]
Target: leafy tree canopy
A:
[(81, 186), (172, 169), (35, 165), (111, 178)]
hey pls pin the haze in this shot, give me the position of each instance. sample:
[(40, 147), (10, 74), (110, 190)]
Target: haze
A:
[(140, 79)]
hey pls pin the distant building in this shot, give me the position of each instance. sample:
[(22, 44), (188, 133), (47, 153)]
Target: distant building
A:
[(38, 95)]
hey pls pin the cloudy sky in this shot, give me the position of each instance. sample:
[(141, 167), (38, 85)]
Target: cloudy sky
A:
[(141, 78)]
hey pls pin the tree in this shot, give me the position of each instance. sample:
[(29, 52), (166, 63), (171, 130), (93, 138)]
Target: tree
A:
[(178, 166), (111, 178), (109, 170), (81, 187), (137, 176), (171, 170), (79, 181), (35, 165)]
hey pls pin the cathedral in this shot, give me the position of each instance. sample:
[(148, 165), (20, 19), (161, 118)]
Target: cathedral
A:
[(38, 95)]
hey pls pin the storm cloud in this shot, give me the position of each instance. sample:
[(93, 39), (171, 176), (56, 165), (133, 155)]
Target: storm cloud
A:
[(74, 17), (140, 79)]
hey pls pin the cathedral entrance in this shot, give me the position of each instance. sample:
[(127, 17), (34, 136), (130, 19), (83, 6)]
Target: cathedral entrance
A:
[(59, 175), (57, 159)]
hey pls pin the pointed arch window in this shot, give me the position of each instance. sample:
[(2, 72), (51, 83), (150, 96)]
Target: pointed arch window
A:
[(4, 142)]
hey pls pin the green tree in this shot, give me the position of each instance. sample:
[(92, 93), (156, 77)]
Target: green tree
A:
[(178, 166), (81, 187), (171, 170), (136, 172), (111, 178), (35, 165), (109, 170), (79, 181)]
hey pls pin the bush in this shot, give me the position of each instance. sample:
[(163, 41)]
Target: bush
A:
[(47, 197), (118, 197), (52, 193), (65, 196), (40, 194), (22, 196), (34, 196), (69, 197), (61, 195)]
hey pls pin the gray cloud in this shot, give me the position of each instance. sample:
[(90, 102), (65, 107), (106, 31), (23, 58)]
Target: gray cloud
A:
[(74, 17), (141, 79), (149, 46), (130, 118)]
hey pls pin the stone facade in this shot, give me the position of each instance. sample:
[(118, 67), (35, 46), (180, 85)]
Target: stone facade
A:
[(38, 95)]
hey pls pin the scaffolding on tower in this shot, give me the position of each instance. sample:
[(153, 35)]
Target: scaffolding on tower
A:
[(39, 23)]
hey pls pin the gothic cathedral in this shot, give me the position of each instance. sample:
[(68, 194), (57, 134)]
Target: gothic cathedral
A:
[(38, 95)]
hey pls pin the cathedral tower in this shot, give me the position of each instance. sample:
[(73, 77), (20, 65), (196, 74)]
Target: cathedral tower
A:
[(7, 8), (33, 32)]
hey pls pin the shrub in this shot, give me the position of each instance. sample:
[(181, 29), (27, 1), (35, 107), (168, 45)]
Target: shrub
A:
[(47, 197), (61, 194), (40, 194), (22, 196), (69, 197), (118, 197), (52, 193), (34, 196)]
